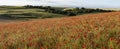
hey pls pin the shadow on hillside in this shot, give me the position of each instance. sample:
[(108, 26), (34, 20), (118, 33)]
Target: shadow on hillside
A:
[(5, 17), (14, 17)]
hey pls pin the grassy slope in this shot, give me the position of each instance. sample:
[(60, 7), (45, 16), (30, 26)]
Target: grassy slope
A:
[(91, 31), (116, 9), (18, 12)]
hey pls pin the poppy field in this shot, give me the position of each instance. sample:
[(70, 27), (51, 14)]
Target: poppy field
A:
[(89, 31)]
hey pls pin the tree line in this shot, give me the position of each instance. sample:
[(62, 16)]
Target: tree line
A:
[(68, 11)]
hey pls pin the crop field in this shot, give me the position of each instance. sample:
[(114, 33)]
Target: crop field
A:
[(90, 31), (22, 13)]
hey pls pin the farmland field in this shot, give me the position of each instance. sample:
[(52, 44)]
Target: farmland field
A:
[(90, 31), (14, 13)]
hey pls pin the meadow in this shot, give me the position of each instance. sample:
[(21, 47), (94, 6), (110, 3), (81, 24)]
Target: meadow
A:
[(90, 31), (22, 13), (41, 12)]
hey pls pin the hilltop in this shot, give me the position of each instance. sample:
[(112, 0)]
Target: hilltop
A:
[(87, 31)]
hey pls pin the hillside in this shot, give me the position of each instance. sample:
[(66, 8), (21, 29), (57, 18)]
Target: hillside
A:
[(89, 31), (41, 12), (116, 9), (22, 13)]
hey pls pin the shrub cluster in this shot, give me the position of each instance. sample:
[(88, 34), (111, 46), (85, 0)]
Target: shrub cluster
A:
[(68, 11)]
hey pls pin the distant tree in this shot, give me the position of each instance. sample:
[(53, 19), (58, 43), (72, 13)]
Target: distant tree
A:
[(41, 7), (70, 13), (83, 8), (76, 10), (48, 8), (67, 11)]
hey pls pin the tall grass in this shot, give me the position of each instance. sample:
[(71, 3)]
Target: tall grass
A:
[(92, 31)]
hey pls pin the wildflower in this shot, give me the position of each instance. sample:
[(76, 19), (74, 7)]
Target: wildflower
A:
[(111, 39), (83, 46), (18, 48), (42, 48), (96, 45), (111, 48), (71, 36), (30, 44)]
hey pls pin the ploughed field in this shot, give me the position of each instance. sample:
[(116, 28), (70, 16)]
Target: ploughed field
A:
[(90, 31)]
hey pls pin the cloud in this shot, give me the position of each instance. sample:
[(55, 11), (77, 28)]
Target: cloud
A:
[(58, 2), (80, 3)]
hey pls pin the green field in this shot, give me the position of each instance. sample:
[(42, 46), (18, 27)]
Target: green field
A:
[(42, 12), (17, 12)]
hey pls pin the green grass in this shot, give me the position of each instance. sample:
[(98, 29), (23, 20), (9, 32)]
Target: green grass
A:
[(16, 12)]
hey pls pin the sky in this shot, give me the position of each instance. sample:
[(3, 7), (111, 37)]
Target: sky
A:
[(65, 3)]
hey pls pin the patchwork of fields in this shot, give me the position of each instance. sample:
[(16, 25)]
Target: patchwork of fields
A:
[(21, 13), (90, 31)]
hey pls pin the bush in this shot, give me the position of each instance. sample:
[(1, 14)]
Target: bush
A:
[(69, 12)]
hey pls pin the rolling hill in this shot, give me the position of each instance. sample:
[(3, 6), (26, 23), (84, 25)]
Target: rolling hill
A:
[(89, 31)]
